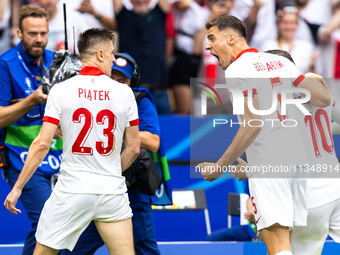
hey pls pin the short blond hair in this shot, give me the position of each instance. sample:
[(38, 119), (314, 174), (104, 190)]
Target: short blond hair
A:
[(31, 11)]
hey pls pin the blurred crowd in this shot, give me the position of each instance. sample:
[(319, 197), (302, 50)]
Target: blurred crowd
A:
[(167, 37)]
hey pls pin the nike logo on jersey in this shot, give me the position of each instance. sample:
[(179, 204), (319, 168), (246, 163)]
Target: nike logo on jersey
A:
[(90, 94)]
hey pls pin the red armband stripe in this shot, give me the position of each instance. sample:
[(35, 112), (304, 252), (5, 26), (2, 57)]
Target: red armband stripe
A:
[(298, 80), (134, 122), (51, 120)]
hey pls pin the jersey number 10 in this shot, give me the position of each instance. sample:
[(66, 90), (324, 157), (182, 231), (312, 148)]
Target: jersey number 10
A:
[(322, 123)]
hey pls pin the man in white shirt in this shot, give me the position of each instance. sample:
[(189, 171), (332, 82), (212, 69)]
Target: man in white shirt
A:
[(95, 114), (275, 201), (56, 34)]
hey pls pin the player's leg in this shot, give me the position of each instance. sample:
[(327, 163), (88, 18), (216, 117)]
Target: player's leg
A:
[(310, 239), (88, 243), (44, 250), (334, 222), (113, 221), (273, 208), (117, 236), (63, 219), (276, 238)]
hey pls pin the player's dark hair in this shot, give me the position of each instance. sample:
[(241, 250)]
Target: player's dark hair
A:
[(282, 53), (228, 21), (92, 37)]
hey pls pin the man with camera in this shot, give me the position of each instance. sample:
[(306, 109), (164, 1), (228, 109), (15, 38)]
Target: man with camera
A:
[(22, 106), (125, 70)]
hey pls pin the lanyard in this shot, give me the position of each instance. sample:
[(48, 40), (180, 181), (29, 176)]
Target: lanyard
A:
[(35, 77)]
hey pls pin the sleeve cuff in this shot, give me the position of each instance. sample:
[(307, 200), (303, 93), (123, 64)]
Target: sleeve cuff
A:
[(245, 93), (298, 80), (134, 122), (51, 120)]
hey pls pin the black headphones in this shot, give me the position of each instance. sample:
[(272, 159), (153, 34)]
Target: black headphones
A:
[(136, 73)]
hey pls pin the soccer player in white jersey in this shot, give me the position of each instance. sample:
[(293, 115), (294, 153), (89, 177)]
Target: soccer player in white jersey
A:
[(323, 194), (95, 114), (268, 145)]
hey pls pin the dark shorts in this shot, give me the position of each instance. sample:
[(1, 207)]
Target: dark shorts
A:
[(184, 67)]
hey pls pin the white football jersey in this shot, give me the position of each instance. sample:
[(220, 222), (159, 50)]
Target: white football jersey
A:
[(263, 73), (93, 112), (317, 137)]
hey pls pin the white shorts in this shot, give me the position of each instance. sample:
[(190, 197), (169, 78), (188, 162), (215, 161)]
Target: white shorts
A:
[(321, 221), (275, 200), (66, 215)]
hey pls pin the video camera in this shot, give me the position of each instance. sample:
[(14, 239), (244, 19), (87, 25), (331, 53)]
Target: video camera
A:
[(65, 64)]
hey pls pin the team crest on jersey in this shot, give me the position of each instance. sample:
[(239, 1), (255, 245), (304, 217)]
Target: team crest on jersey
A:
[(92, 81)]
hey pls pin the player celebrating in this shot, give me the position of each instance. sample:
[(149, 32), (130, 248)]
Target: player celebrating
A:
[(323, 194), (95, 114), (276, 201)]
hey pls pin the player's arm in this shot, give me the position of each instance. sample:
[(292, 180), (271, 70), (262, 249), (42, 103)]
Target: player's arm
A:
[(242, 140), (36, 154), (132, 146), (149, 141), (319, 94)]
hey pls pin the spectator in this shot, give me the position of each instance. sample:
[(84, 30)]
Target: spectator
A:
[(189, 18), (56, 35), (22, 107), (210, 69), (301, 51), (142, 34), (312, 14), (95, 13), (329, 36), (126, 71), (261, 19)]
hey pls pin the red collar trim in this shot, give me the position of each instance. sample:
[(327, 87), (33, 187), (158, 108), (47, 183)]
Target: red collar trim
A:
[(91, 70), (245, 51)]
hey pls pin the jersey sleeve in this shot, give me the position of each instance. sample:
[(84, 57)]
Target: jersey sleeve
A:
[(132, 111), (5, 84), (53, 108), (148, 117), (296, 76)]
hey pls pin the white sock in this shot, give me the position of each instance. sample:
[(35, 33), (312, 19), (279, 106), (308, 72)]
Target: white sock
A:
[(284, 253)]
